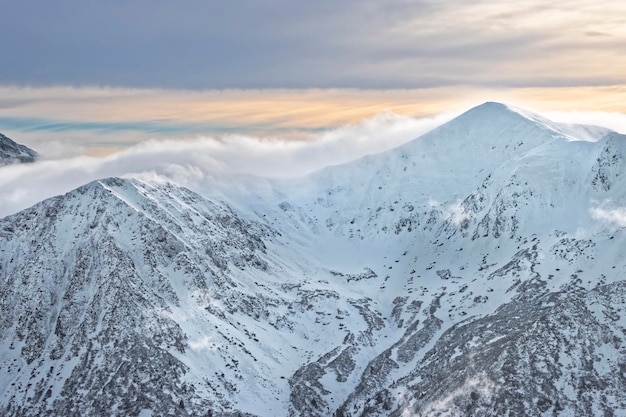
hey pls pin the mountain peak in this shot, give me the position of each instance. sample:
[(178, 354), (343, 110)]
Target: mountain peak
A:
[(507, 119), (466, 148), (97, 187), (14, 153), (495, 105), (497, 110)]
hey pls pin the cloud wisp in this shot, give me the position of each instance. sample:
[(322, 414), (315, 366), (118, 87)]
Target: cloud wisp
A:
[(204, 162), (612, 120), (105, 120), (612, 215)]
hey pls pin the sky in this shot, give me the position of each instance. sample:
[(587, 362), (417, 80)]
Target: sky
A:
[(103, 75), (362, 44), (91, 81)]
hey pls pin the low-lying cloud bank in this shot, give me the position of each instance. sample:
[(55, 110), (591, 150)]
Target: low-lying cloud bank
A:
[(208, 163), (201, 162)]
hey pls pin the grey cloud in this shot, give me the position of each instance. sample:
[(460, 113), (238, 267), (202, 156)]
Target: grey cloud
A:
[(594, 34), (275, 43)]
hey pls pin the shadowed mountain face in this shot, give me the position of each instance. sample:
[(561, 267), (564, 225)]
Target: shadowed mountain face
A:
[(475, 271), (14, 153)]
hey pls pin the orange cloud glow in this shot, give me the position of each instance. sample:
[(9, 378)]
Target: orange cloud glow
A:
[(103, 120)]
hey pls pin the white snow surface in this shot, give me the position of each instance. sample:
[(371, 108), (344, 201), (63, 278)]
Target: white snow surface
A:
[(376, 287)]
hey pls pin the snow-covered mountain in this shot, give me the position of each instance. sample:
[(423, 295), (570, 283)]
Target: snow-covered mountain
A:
[(477, 270), (13, 153)]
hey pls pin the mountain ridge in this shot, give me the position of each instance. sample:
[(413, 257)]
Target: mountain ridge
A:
[(329, 295)]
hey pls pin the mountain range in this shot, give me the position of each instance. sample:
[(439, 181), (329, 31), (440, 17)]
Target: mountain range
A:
[(477, 270)]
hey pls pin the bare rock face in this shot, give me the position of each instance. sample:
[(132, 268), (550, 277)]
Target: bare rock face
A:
[(14, 153), (428, 280)]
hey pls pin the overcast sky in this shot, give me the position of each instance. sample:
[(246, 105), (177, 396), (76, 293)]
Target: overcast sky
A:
[(370, 44)]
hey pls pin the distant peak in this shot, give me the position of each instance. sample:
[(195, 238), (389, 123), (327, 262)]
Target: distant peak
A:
[(491, 111), (493, 104), (14, 153), (494, 110)]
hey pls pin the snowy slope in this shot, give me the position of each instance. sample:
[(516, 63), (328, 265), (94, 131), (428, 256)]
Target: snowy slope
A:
[(120, 286), (476, 270)]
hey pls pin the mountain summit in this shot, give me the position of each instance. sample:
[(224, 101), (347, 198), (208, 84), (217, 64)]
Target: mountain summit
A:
[(477, 270), (12, 152)]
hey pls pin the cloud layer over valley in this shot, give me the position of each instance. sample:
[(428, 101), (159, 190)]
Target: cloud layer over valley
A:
[(200, 162)]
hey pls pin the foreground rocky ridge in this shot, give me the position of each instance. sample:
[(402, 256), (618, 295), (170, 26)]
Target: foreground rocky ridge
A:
[(477, 270)]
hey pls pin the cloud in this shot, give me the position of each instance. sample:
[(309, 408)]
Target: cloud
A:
[(456, 213), (612, 120), (117, 133), (321, 44), (98, 120), (114, 118), (615, 215), (203, 343), (205, 163)]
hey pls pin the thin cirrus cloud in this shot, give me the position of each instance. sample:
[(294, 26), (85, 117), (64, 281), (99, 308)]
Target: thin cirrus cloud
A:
[(67, 121)]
